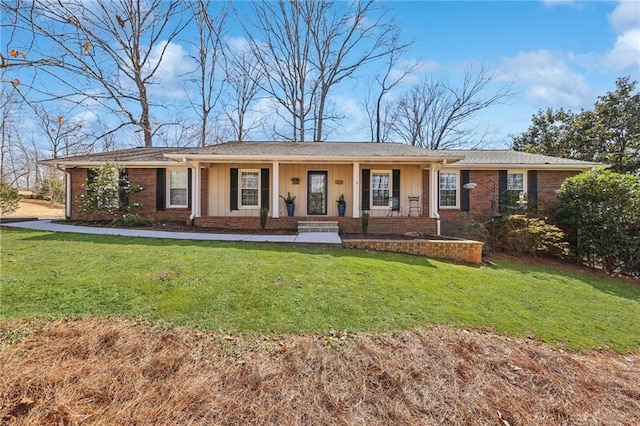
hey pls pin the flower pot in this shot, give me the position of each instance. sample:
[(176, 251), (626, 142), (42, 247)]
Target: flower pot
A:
[(341, 209), (290, 209)]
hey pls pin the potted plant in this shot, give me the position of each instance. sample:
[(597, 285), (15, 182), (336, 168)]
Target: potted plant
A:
[(289, 200), (342, 205)]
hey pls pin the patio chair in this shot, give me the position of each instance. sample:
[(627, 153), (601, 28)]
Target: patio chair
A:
[(414, 205), (395, 207)]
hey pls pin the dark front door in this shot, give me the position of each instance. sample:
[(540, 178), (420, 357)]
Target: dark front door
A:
[(317, 193)]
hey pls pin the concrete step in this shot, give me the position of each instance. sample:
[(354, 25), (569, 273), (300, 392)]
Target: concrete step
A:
[(317, 226)]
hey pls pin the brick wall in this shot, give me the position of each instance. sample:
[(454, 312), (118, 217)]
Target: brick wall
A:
[(144, 177), (480, 197), (548, 183), (458, 251), (425, 192)]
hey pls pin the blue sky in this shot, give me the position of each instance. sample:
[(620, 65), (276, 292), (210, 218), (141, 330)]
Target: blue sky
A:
[(556, 54)]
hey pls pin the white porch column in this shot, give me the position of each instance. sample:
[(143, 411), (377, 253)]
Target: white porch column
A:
[(355, 202), (275, 190), (68, 200), (433, 194), (195, 190)]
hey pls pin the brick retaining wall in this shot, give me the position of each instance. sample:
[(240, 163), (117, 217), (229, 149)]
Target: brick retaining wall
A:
[(465, 251)]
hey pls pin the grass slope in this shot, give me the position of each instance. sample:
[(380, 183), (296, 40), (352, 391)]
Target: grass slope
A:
[(263, 288)]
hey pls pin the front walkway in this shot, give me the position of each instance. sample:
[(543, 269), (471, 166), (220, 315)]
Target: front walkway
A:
[(304, 238)]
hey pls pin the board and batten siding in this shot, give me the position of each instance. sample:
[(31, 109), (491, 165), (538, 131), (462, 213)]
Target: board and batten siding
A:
[(339, 181), (410, 185)]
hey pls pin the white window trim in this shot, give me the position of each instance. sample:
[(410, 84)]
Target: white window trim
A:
[(240, 205), (388, 206), (524, 174), (457, 206), (168, 188)]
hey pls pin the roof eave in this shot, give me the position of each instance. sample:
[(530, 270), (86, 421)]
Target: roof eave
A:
[(73, 164), (530, 166), (310, 158)]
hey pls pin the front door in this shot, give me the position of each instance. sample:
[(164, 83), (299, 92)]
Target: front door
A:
[(317, 193)]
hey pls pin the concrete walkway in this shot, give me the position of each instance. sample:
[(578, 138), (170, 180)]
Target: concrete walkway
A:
[(304, 238)]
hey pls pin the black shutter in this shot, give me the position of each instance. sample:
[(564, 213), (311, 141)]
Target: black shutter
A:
[(532, 189), (161, 191), (92, 175), (264, 188), (233, 190), (366, 185), (395, 192), (123, 184), (464, 195), (189, 187), (502, 187), (532, 184)]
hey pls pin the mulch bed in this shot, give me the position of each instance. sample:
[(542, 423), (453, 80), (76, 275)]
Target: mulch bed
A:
[(118, 371)]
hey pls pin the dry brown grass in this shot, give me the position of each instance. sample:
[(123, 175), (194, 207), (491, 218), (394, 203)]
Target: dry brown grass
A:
[(98, 371), (38, 208)]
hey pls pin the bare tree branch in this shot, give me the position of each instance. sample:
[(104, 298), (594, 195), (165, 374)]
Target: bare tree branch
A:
[(438, 114), (108, 43)]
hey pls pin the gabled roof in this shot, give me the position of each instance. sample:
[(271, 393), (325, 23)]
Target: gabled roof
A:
[(323, 152), (504, 157), (313, 151), (130, 156)]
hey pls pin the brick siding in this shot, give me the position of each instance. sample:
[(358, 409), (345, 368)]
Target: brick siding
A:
[(480, 197), (144, 177), (548, 183)]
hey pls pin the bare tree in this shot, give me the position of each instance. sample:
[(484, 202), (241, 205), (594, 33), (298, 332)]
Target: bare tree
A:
[(380, 113), (281, 44), (438, 114), (114, 48), (346, 36), (17, 160), (244, 78), (210, 24), (305, 49)]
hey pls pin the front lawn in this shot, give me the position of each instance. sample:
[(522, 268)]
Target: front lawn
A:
[(267, 288)]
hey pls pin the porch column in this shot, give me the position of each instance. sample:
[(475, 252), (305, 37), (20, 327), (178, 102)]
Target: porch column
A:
[(355, 202), (68, 200), (195, 190), (275, 190), (433, 202), (433, 190)]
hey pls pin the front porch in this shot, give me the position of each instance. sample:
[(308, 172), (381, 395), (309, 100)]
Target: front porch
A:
[(378, 225)]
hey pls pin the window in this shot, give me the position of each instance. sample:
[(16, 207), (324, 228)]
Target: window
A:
[(380, 189), (249, 188), (178, 188), (516, 184), (448, 189)]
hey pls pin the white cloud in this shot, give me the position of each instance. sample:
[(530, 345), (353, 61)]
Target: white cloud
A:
[(625, 16), (85, 117), (416, 76), (554, 3), (174, 63), (547, 79), (238, 44), (625, 54)]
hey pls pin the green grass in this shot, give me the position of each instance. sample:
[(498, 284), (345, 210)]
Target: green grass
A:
[(266, 288)]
